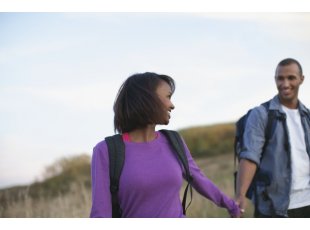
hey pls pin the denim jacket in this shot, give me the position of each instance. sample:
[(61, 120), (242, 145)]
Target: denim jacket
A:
[(273, 192)]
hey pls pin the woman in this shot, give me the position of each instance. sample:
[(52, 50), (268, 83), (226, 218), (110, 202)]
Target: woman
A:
[(151, 178)]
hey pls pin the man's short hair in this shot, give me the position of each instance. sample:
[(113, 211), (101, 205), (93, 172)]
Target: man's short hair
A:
[(288, 61)]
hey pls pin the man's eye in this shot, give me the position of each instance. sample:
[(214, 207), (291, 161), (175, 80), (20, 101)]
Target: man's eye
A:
[(291, 78), (280, 78)]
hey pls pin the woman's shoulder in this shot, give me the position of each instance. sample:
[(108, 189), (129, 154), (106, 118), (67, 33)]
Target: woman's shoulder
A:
[(100, 148)]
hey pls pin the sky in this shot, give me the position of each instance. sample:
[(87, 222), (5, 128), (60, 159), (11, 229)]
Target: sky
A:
[(60, 73)]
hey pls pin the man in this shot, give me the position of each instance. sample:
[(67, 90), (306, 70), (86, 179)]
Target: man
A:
[(283, 189)]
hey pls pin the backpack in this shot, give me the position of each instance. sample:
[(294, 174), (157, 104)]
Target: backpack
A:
[(238, 147), (116, 149)]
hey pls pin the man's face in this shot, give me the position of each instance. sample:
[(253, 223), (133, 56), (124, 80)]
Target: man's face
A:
[(288, 80)]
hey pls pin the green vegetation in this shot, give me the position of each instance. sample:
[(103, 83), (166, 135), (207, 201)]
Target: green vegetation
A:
[(63, 172), (205, 141)]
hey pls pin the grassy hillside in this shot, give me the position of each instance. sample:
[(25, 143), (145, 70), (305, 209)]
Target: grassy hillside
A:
[(205, 141), (66, 189), (63, 192)]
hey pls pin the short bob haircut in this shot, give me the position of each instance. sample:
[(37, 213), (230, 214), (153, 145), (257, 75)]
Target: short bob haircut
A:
[(137, 104)]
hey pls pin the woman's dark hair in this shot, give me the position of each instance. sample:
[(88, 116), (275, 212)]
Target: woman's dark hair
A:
[(137, 103)]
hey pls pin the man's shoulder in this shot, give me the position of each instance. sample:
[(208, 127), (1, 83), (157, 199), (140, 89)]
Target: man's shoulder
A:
[(302, 107), (259, 113), (262, 109)]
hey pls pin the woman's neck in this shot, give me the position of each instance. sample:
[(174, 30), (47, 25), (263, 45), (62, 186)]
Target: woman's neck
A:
[(143, 135)]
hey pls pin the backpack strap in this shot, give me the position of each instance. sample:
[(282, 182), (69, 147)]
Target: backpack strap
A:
[(176, 142), (269, 127), (116, 149)]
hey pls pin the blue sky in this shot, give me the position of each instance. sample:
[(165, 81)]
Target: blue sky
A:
[(60, 72)]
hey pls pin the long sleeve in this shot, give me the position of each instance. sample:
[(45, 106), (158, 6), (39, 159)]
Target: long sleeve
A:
[(101, 196), (208, 189), (254, 135)]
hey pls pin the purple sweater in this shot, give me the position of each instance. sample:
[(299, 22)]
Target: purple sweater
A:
[(150, 182)]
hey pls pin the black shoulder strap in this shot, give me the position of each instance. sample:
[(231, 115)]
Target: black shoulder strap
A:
[(116, 149), (176, 142), (270, 122)]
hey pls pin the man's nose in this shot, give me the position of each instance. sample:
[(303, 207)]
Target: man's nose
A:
[(286, 83)]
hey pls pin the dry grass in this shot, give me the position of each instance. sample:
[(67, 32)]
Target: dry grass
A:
[(77, 202), (219, 169)]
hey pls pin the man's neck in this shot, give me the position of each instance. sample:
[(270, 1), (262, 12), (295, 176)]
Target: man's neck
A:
[(292, 104)]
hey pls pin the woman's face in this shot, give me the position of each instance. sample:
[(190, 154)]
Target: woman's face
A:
[(164, 93)]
